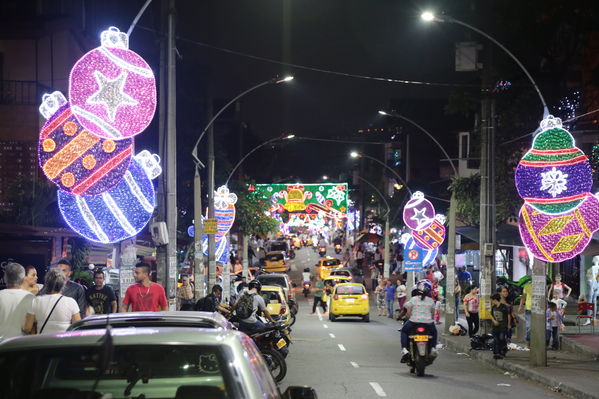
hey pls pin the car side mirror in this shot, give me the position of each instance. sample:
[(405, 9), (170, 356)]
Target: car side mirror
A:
[(299, 392)]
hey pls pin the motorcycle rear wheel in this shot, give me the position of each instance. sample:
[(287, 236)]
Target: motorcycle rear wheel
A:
[(276, 363), (420, 366)]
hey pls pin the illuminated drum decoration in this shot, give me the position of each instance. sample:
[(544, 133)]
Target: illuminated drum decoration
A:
[(112, 89), (74, 159), (116, 214), (431, 237)]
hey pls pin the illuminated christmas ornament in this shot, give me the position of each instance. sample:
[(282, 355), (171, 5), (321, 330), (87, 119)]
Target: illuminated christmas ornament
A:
[(74, 159), (429, 255), (418, 213), (112, 89), (116, 214), (555, 238), (554, 176), (222, 249), (224, 211), (432, 236)]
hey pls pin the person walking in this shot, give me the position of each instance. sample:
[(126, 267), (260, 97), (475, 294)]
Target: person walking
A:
[(390, 291), (144, 295), (401, 293), (30, 281), (379, 294), (526, 300), (500, 317), (52, 312), (100, 297), (184, 295), (504, 294), (318, 293), (71, 288), (554, 322), (360, 258), (15, 302), (471, 305)]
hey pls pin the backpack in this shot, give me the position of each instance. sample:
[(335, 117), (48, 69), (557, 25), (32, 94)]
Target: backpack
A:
[(205, 304), (482, 342), (245, 306)]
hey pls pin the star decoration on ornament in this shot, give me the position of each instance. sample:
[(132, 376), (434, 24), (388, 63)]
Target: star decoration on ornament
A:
[(554, 181), (223, 198), (110, 93), (337, 195), (419, 216)]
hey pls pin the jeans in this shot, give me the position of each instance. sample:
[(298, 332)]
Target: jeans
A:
[(457, 306), (318, 300), (527, 319), (390, 303), (250, 328), (473, 323), (499, 343), (409, 327), (555, 333)]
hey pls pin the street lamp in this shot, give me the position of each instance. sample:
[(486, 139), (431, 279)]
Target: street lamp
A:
[(450, 293), (197, 194), (325, 177), (431, 17)]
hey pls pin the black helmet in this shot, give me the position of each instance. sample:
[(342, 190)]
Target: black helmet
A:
[(255, 284)]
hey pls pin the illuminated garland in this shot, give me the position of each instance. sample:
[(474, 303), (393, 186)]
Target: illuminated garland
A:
[(112, 89)]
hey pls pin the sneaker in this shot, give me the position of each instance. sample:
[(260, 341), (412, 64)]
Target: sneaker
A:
[(406, 355), (434, 352), (587, 323)]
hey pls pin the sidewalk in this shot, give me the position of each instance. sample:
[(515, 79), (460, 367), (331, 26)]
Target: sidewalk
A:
[(574, 373)]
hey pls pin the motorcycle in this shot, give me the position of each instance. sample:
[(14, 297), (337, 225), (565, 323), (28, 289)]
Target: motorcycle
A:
[(337, 248), (292, 252), (306, 289), (322, 251), (273, 343), (420, 351)]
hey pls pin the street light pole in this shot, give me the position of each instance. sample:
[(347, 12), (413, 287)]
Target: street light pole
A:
[(450, 277), (197, 187)]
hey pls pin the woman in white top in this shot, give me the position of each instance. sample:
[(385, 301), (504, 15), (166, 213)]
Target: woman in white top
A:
[(53, 312)]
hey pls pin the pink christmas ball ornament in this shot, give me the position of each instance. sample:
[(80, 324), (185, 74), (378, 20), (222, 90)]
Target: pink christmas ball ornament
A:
[(419, 213), (112, 90)]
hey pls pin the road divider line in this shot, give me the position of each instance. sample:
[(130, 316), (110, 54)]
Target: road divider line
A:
[(378, 389), (331, 335), (319, 314), (341, 347), (325, 326), (354, 365)]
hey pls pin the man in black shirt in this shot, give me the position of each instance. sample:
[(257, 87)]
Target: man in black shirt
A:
[(101, 297), (500, 314)]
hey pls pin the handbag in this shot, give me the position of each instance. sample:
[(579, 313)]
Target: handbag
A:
[(50, 314)]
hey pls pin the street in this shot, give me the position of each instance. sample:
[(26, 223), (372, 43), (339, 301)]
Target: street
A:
[(353, 359)]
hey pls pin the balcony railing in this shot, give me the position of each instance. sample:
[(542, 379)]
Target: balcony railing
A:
[(18, 92)]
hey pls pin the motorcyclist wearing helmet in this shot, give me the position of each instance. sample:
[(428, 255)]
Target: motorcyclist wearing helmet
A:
[(252, 323), (420, 310)]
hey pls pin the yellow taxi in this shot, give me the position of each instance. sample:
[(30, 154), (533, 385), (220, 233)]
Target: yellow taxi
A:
[(325, 265), (274, 262), (349, 299), (332, 281), (274, 297)]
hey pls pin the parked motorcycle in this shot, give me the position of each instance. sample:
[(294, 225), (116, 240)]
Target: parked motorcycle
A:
[(420, 350), (291, 253), (273, 343)]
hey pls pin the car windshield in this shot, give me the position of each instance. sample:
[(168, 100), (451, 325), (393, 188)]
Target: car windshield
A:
[(340, 273), (279, 281), (350, 290), (157, 371), (278, 246), (332, 262), (270, 297), (274, 257)]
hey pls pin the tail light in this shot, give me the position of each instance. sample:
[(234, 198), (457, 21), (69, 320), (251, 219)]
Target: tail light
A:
[(336, 297), (283, 308), (420, 329), (364, 296), (306, 285)]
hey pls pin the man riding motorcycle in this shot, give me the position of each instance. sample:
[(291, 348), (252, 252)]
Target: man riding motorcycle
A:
[(420, 310), (248, 305)]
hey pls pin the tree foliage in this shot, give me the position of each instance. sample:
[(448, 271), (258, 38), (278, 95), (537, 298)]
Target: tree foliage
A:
[(251, 209)]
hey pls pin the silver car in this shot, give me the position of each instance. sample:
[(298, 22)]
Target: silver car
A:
[(154, 319), (147, 362)]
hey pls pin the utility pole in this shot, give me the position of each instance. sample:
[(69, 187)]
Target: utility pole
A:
[(211, 237), (198, 257), (450, 272), (538, 354)]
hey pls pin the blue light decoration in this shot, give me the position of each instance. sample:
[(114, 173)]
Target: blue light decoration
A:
[(119, 213), (222, 249)]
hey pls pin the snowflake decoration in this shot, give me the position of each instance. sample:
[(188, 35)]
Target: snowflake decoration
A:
[(223, 198), (337, 195), (554, 181)]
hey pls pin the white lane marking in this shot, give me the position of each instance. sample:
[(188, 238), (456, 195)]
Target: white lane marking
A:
[(325, 326), (341, 347), (378, 389), (319, 314), (354, 365), (331, 335)]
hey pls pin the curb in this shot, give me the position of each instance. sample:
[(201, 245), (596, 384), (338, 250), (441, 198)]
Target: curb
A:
[(522, 371), (572, 346)]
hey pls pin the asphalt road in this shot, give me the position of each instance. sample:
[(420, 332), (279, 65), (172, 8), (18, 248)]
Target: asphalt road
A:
[(352, 359)]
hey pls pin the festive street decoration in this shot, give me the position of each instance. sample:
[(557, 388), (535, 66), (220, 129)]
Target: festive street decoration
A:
[(409, 243), (554, 176), (330, 198), (419, 213), (112, 89), (222, 249), (116, 214), (432, 236), (74, 159), (555, 238), (224, 211)]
